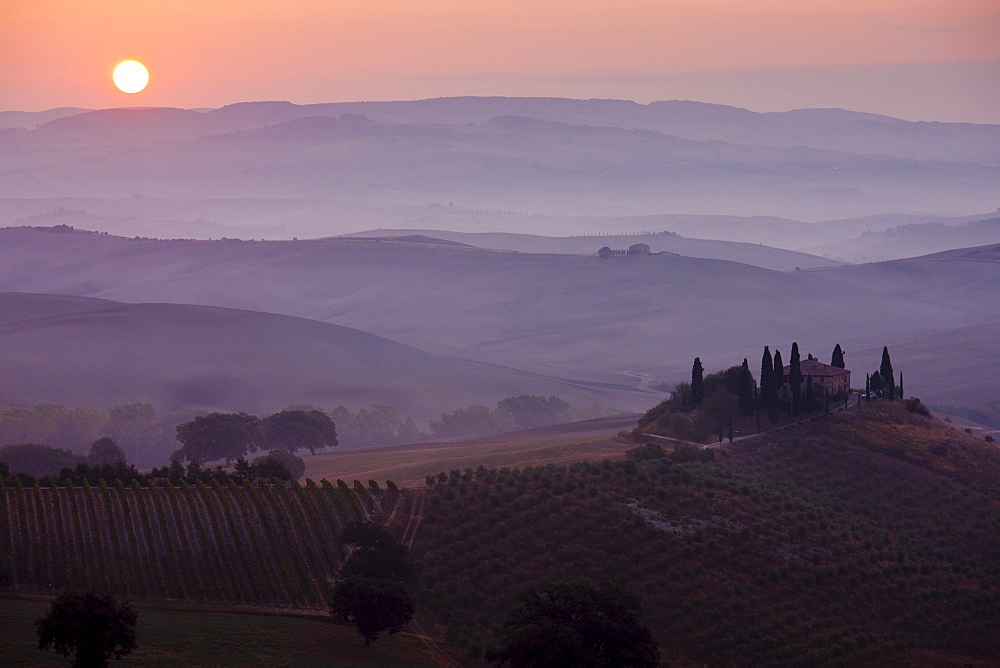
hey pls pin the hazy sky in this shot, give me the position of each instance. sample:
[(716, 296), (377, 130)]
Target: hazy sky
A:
[(916, 59)]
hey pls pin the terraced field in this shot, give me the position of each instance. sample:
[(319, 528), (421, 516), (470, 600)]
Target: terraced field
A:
[(251, 545)]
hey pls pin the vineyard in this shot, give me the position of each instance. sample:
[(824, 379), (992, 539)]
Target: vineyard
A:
[(865, 538), (250, 544)]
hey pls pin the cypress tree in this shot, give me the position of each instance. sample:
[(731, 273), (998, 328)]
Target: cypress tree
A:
[(838, 357), (886, 374), (697, 383), (876, 381), (766, 371), (777, 380), (868, 386), (795, 380), (901, 395), (746, 390)]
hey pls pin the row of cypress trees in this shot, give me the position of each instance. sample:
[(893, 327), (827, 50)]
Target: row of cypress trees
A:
[(765, 397)]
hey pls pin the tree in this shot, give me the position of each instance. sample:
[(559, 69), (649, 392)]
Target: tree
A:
[(104, 451), (886, 374), (227, 436), (576, 625), (532, 410), (475, 419), (370, 591), (746, 390), (604, 253), (372, 605), (697, 383), (901, 385), (37, 459), (837, 359), (810, 399), (133, 427), (291, 463), (876, 381), (766, 371), (777, 380), (294, 429), (795, 379), (90, 625)]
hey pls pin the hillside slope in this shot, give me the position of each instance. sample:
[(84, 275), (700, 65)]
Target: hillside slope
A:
[(569, 316), (868, 537), (753, 254), (90, 352)]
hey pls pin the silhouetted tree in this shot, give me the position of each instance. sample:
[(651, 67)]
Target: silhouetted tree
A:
[(104, 451), (766, 371), (214, 436), (37, 459), (795, 379), (746, 390), (837, 359), (90, 625), (697, 383), (886, 373), (577, 625), (293, 429), (604, 253), (901, 395), (296, 467), (777, 380), (876, 381), (370, 592)]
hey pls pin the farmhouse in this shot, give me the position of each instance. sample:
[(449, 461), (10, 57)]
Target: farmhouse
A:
[(832, 379), (639, 249)]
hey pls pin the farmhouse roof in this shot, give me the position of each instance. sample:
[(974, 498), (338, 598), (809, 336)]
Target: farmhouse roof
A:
[(816, 368)]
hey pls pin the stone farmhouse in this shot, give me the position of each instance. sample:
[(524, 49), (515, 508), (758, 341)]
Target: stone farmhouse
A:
[(825, 378)]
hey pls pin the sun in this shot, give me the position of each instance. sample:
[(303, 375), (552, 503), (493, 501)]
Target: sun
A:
[(130, 76)]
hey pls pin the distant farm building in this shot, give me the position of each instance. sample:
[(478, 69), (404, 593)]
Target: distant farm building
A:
[(633, 250), (832, 379)]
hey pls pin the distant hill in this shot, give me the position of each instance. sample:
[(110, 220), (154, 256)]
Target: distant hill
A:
[(625, 321), (911, 240), (90, 352), (754, 254), (536, 156)]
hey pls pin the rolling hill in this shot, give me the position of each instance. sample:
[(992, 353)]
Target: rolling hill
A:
[(863, 537), (92, 352), (619, 322), (554, 157), (753, 254)]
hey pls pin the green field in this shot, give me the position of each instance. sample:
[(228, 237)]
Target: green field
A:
[(192, 638)]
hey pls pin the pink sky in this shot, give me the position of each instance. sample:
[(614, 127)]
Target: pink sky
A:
[(917, 59)]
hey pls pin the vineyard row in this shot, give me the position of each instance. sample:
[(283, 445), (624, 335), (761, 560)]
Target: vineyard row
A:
[(249, 544)]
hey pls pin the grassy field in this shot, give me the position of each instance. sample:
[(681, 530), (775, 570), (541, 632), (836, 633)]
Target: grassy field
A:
[(408, 465), (180, 637)]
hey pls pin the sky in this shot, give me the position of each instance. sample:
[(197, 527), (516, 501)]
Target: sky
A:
[(913, 59)]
